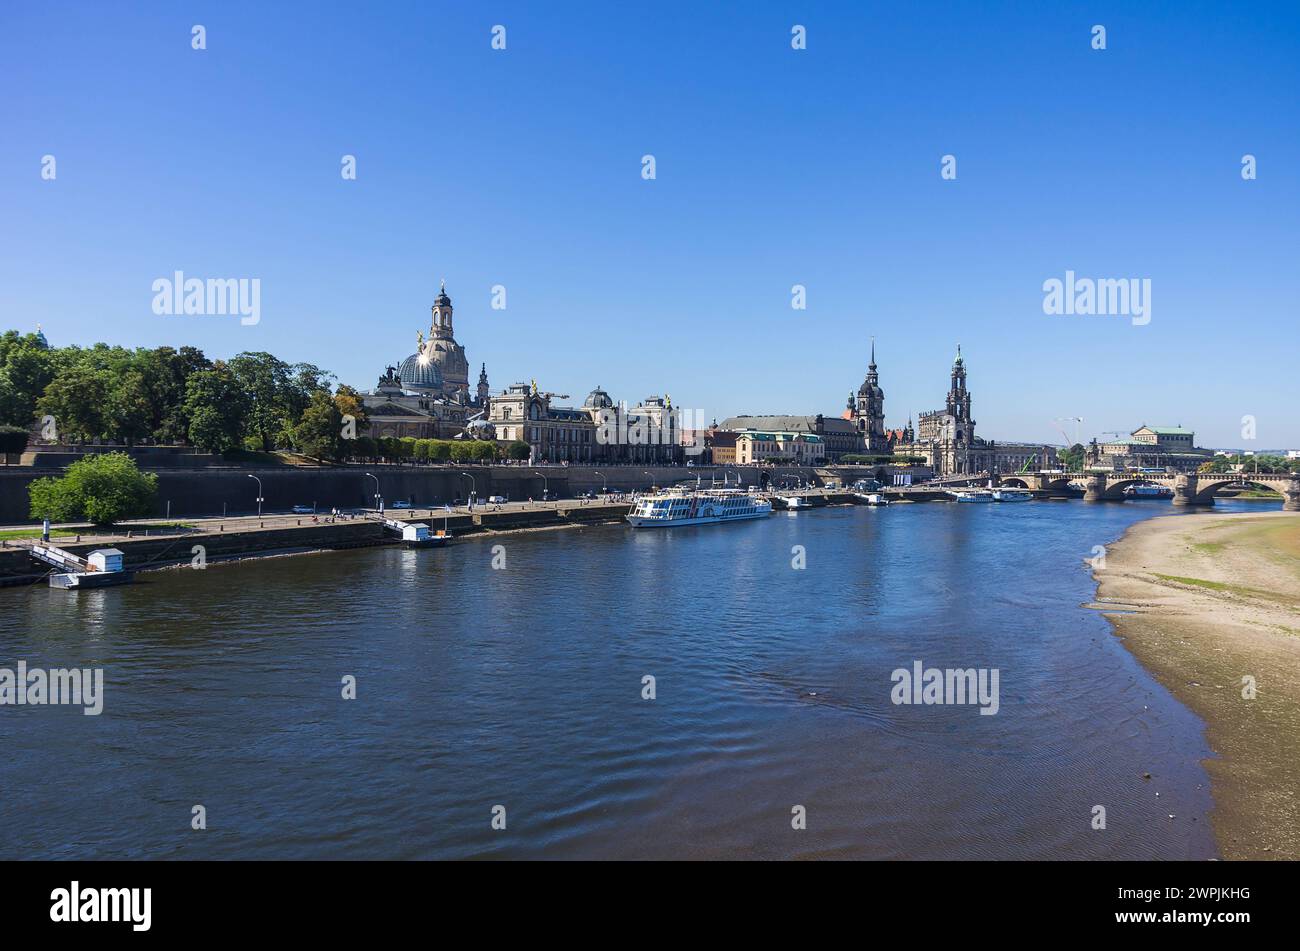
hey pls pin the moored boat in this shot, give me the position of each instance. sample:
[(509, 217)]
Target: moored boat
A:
[(696, 507), (1012, 494), (1148, 492)]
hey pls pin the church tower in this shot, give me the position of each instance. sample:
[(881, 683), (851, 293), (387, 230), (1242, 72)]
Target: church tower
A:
[(869, 409), (445, 353), (442, 315), (958, 403), (484, 391)]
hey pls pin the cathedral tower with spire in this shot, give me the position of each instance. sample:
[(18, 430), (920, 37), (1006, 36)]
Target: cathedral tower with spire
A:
[(867, 409)]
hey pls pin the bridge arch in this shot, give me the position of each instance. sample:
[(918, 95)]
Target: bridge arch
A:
[(1207, 484)]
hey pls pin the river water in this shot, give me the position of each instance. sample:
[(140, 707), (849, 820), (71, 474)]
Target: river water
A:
[(522, 687)]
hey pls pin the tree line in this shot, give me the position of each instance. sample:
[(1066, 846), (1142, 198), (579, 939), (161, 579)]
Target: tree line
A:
[(168, 396)]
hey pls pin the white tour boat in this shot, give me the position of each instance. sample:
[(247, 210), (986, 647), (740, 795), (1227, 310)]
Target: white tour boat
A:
[(1011, 494), (1146, 491), (971, 495), (696, 507)]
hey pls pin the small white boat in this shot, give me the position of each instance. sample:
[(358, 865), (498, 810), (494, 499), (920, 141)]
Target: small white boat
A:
[(871, 498), (796, 502), (1011, 494)]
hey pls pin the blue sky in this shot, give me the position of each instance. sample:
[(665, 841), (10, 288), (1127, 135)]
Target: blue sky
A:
[(775, 167)]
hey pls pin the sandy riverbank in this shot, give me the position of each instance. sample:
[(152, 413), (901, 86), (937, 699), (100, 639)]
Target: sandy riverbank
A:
[(1216, 598)]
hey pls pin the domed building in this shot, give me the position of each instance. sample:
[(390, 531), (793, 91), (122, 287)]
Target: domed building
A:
[(419, 374), (427, 395)]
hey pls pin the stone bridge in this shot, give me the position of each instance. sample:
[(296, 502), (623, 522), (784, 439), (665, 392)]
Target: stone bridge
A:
[(1189, 488)]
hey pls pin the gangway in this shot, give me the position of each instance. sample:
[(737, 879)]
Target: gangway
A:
[(102, 567), (414, 534)]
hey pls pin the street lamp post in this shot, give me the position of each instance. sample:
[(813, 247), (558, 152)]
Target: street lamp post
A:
[(604, 487), (473, 488), (379, 499), (259, 494)]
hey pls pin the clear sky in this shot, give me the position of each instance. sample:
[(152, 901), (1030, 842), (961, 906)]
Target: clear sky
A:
[(775, 167)]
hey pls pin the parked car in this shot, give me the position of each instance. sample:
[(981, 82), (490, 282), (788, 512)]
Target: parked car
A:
[(497, 499), (400, 505), (304, 510)]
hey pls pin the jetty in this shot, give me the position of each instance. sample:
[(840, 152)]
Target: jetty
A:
[(100, 568), (413, 534)]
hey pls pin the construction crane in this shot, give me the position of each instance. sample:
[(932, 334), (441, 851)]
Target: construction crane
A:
[(1064, 435)]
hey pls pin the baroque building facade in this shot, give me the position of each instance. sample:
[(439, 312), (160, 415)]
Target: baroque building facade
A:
[(867, 410), (946, 438), (427, 395), (598, 431)]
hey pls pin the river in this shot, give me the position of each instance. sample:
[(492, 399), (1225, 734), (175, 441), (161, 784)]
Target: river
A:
[(522, 687)]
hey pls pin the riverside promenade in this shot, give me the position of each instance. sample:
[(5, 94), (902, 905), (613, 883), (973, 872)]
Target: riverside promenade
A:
[(147, 545)]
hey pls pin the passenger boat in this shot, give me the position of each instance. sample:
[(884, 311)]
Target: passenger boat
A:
[(1011, 494), (1148, 492), (971, 495), (696, 507)]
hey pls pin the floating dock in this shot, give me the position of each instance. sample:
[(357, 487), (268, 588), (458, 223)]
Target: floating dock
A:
[(414, 534), (101, 568)]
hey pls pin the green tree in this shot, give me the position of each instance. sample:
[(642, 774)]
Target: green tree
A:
[(363, 447), (266, 381), (77, 398), (13, 439), (26, 368), (163, 374), (104, 489), (319, 431), (127, 413), (519, 450), (1072, 459), (216, 407)]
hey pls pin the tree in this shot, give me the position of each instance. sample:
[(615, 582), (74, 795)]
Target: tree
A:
[(519, 450), (216, 407), (319, 432), (26, 367), (266, 381), (351, 406), (164, 373), (363, 447), (13, 439), (77, 398), (127, 413), (1072, 459), (102, 488)]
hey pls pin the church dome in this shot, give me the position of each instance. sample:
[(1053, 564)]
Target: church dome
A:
[(420, 373), (598, 399), (868, 389)]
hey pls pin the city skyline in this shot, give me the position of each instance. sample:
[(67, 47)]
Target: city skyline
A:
[(683, 283)]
